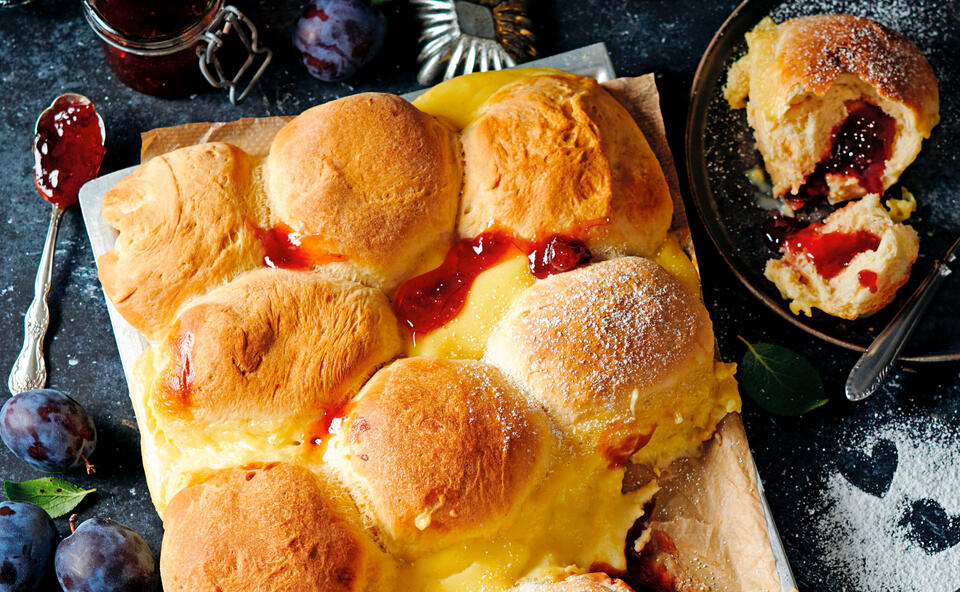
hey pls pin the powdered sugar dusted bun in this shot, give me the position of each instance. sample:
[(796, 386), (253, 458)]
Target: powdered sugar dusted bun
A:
[(439, 451), (594, 582), (620, 354), (274, 527), (373, 179), (559, 155), (801, 80), (871, 278)]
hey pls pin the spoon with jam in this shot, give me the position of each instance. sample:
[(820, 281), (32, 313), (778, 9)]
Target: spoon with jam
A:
[(67, 149)]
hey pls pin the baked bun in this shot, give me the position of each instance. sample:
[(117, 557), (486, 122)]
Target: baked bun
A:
[(284, 446), (594, 582), (823, 89), (616, 352), (557, 155), (373, 179), (273, 344), (856, 271), (440, 451), (275, 527), (183, 230)]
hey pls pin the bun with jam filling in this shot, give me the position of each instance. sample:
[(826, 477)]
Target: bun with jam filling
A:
[(839, 105), (849, 266)]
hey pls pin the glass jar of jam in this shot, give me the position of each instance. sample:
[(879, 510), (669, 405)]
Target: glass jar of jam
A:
[(169, 49)]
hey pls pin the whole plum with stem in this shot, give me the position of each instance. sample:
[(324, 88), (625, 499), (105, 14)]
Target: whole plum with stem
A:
[(103, 555), (48, 430), (336, 38)]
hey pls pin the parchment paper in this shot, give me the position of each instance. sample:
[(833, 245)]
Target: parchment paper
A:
[(707, 524), (709, 507)]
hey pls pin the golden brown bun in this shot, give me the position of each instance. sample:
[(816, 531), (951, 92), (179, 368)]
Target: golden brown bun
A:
[(801, 76), (558, 155), (815, 51), (844, 295), (612, 350), (594, 582), (439, 451), (376, 180), (183, 231), (274, 344), (275, 527)]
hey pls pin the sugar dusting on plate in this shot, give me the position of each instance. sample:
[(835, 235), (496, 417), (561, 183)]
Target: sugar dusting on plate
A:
[(907, 538)]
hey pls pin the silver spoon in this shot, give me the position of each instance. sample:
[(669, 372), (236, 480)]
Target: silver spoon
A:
[(60, 188), (870, 371)]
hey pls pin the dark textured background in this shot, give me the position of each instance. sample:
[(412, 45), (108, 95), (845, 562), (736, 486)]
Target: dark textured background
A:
[(46, 48)]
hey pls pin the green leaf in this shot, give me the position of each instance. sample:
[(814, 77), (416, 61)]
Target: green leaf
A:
[(56, 496), (780, 380)]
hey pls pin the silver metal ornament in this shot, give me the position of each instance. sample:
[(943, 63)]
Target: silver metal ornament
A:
[(464, 36)]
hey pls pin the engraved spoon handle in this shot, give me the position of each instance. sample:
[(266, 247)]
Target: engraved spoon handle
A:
[(30, 371), (870, 371)]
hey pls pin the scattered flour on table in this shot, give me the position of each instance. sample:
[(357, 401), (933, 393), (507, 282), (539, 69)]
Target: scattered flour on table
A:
[(867, 537)]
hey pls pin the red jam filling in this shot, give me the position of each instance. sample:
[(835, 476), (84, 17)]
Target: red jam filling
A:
[(67, 150), (285, 248), (868, 279), (830, 253), (647, 569), (650, 569), (777, 227), (320, 430), (860, 148), (619, 454), (429, 301), (556, 255)]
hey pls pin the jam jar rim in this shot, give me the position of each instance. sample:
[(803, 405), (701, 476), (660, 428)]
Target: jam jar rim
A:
[(161, 45)]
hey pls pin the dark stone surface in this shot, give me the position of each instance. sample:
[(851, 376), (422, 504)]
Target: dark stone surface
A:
[(46, 48)]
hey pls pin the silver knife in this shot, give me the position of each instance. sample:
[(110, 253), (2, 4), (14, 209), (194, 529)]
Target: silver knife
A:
[(870, 371)]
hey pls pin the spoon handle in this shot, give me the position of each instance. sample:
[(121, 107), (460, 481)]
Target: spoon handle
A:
[(870, 371), (30, 371)]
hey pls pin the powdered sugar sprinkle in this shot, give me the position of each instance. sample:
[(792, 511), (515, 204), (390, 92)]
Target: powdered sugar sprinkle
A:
[(873, 539)]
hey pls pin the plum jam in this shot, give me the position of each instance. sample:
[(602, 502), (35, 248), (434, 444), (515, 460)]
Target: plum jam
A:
[(777, 227), (831, 252), (868, 279), (67, 149), (647, 569), (556, 254), (860, 148), (431, 300), (146, 19), (285, 248), (173, 49), (151, 45), (319, 431), (618, 454)]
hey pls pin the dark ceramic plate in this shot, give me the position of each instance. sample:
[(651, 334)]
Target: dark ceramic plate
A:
[(720, 150)]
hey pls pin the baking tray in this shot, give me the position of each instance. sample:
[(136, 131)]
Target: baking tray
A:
[(592, 60)]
